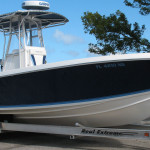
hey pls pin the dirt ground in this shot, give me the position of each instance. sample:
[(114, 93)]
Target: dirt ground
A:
[(34, 141)]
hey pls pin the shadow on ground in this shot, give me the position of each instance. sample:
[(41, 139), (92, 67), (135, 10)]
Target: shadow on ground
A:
[(46, 140)]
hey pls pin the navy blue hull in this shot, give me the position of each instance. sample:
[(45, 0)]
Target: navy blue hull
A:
[(75, 83)]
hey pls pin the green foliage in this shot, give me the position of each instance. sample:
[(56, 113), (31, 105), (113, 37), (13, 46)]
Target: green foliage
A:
[(114, 34), (144, 5)]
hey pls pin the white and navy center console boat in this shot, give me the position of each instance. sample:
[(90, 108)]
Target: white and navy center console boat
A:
[(97, 92)]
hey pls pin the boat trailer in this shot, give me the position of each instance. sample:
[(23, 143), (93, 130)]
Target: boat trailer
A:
[(78, 131)]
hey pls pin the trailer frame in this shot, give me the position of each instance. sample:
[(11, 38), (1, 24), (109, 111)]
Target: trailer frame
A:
[(80, 131)]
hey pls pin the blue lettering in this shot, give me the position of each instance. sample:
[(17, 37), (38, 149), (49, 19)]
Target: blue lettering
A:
[(98, 67), (44, 4), (121, 65)]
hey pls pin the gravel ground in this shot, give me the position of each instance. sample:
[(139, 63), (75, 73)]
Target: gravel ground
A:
[(32, 141)]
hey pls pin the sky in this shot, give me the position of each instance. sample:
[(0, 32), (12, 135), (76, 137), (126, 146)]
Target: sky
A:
[(69, 41)]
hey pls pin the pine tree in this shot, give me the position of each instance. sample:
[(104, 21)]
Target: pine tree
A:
[(114, 34), (144, 5)]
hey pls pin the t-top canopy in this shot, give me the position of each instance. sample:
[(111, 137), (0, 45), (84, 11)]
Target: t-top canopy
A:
[(46, 19)]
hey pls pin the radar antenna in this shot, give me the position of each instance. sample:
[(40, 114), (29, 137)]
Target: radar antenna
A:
[(35, 5)]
